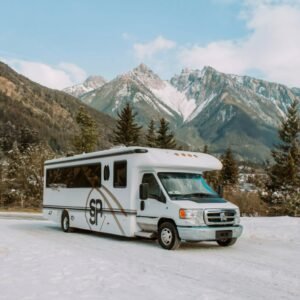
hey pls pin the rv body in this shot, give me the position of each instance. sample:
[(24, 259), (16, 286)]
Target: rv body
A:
[(140, 192)]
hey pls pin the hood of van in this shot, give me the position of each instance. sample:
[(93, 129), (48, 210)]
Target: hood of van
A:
[(188, 204)]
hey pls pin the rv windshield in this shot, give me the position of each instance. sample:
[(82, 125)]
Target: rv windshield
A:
[(188, 186)]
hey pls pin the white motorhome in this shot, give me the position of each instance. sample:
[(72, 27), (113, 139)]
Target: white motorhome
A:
[(140, 192)]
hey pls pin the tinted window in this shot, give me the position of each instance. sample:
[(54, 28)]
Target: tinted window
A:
[(85, 176), (154, 188), (120, 174)]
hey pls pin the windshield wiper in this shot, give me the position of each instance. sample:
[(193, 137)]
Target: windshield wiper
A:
[(201, 195)]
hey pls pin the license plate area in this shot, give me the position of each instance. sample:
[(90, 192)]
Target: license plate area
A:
[(223, 234)]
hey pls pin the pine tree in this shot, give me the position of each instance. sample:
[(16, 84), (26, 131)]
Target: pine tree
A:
[(285, 173), (24, 175), (205, 149), (165, 138), (229, 172), (86, 140), (151, 135), (127, 130)]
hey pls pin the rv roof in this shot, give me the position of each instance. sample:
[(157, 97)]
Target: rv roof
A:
[(160, 158)]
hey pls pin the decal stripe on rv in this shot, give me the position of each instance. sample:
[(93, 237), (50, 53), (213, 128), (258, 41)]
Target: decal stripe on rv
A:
[(113, 210)]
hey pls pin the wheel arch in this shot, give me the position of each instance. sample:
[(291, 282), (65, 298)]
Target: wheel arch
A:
[(162, 220), (63, 212)]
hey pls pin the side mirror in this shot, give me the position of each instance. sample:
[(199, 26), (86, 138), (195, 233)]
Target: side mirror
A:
[(220, 190), (144, 191)]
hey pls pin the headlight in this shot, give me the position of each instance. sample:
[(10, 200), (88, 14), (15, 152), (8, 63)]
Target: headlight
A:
[(188, 213)]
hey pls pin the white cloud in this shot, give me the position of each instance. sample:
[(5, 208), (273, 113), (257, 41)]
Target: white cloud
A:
[(148, 50), (272, 47), (56, 77), (75, 73), (220, 54)]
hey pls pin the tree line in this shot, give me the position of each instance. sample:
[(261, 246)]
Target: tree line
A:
[(22, 155), (127, 132)]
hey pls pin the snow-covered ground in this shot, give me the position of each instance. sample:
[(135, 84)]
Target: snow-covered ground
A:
[(39, 261)]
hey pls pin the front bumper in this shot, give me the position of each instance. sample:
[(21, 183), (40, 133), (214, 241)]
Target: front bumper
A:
[(206, 233)]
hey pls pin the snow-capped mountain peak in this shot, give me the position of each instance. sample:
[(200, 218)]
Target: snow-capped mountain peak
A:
[(164, 91), (94, 81), (90, 84), (146, 76), (142, 68)]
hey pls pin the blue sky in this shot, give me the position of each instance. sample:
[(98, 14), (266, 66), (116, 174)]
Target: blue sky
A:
[(59, 43)]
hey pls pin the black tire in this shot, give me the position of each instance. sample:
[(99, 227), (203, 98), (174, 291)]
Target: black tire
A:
[(168, 236), (226, 242), (65, 222)]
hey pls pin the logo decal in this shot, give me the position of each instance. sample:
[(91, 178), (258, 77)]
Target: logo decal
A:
[(96, 208), (223, 217)]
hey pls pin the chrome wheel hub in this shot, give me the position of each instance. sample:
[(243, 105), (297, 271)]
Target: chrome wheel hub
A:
[(166, 236)]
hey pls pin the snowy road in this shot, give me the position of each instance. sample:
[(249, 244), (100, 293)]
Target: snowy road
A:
[(39, 261)]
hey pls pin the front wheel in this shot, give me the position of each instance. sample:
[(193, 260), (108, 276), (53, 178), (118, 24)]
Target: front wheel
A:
[(65, 222), (226, 242), (168, 236)]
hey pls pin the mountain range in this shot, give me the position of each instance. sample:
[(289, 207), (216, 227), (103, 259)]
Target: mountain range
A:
[(203, 107)]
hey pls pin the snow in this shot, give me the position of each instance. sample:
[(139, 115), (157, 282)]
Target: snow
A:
[(39, 261), (164, 91), (117, 104), (123, 91), (237, 78), (261, 90), (201, 106), (175, 99), (222, 115), (164, 108), (90, 84), (79, 89)]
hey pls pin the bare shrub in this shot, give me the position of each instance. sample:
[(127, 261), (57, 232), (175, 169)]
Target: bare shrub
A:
[(250, 204)]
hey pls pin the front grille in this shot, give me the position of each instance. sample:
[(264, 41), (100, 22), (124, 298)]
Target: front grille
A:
[(219, 217)]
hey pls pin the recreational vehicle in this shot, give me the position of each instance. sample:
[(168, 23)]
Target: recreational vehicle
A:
[(140, 192)]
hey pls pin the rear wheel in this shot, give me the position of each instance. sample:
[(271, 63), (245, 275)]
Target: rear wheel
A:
[(65, 222), (168, 236), (226, 242)]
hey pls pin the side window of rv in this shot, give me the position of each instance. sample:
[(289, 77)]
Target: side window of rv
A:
[(120, 174), (84, 176), (154, 188)]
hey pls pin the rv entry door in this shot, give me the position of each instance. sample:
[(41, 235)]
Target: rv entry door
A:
[(150, 209)]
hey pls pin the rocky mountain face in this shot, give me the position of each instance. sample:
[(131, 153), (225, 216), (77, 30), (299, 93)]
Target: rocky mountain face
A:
[(203, 107), (90, 84), (237, 111), (143, 89), (51, 113)]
